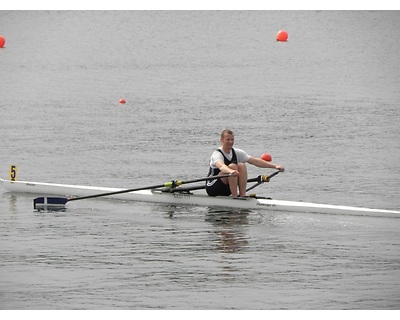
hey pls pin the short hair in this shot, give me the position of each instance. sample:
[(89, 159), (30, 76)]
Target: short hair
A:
[(226, 131)]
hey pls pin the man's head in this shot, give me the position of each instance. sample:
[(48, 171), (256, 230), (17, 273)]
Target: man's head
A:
[(227, 139)]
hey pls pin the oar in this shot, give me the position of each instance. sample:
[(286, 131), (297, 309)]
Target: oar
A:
[(261, 179), (57, 202)]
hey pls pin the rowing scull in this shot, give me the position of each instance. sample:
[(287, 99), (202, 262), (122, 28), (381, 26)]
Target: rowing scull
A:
[(188, 198)]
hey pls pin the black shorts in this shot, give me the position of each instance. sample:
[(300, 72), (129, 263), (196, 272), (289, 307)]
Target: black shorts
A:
[(217, 188)]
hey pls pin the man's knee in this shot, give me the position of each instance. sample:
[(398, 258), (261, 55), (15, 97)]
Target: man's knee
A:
[(233, 166)]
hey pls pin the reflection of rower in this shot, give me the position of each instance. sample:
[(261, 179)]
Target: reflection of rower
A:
[(229, 237)]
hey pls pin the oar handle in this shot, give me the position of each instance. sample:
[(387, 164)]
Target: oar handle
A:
[(261, 179)]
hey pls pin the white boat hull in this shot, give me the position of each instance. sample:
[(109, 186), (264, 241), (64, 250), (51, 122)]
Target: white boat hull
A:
[(178, 198)]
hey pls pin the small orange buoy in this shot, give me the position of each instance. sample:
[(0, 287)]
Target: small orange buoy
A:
[(266, 157), (282, 36), (122, 101), (2, 41)]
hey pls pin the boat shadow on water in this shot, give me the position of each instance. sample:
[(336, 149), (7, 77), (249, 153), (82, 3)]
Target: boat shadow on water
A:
[(227, 217)]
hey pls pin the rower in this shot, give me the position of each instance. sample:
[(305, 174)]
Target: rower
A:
[(229, 160)]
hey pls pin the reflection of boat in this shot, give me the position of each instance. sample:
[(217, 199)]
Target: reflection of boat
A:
[(186, 198)]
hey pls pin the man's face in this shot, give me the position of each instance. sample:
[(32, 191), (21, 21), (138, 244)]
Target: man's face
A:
[(227, 141)]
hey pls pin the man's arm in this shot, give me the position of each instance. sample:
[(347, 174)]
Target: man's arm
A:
[(258, 162)]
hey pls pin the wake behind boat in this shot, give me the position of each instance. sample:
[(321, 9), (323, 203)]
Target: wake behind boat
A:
[(179, 197)]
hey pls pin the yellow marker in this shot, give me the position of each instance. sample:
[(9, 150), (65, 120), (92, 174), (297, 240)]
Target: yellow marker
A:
[(13, 172)]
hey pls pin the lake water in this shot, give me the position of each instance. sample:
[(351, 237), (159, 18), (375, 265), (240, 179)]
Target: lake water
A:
[(324, 104)]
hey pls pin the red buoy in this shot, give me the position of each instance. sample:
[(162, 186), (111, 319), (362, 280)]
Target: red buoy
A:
[(122, 101), (2, 41), (266, 157), (282, 36)]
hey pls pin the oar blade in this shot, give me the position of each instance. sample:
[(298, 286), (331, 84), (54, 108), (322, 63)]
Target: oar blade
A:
[(49, 203)]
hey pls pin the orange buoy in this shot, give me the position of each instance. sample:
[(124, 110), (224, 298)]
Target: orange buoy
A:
[(282, 36), (266, 157), (122, 101), (2, 41)]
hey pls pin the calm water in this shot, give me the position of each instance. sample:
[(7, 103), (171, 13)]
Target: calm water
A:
[(325, 104)]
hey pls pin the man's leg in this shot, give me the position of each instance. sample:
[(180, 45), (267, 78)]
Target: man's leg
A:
[(241, 167), (233, 181)]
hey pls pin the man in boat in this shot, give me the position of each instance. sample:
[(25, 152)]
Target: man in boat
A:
[(227, 160)]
